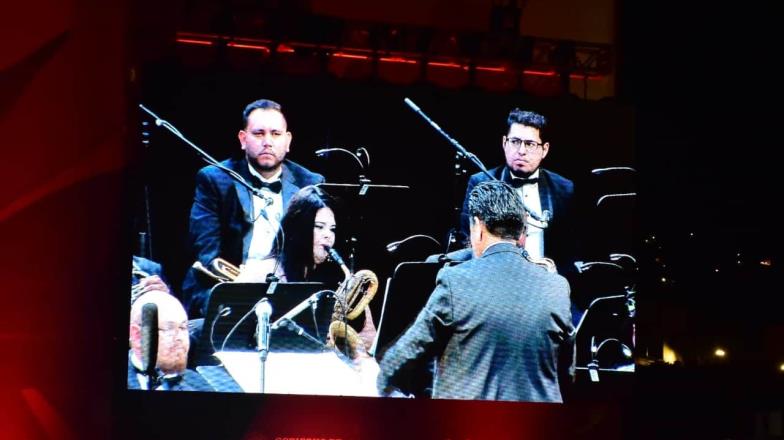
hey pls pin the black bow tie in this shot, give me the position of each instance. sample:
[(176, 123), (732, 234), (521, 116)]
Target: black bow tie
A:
[(517, 182), (169, 379), (275, 186)]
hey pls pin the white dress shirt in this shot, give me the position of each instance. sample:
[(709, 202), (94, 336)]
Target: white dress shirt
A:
[(534, 237), (265, 229)]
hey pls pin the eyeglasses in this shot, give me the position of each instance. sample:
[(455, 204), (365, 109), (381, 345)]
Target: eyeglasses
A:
[(530, 146), (173, 330)]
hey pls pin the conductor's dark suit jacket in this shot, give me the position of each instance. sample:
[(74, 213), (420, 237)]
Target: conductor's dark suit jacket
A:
[(500, 328)]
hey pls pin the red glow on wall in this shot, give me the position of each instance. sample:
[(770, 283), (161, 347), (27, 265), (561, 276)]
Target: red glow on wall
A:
[(355, 53), (538, 73), (491, 69), (398, 60), (447, 65), (282, 48), (196, 42), (264, 49), (350, 56)]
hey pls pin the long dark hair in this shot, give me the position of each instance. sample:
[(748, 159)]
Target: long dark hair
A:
[(297, 225)]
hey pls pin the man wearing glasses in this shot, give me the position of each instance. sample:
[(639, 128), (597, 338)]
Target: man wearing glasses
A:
[(547, 196)]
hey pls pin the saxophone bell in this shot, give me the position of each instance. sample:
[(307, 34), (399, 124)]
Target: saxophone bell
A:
[(351, 300)]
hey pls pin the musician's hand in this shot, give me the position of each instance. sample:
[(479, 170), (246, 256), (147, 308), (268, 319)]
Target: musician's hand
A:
[(153, 282), (255, 271), (368, 332)]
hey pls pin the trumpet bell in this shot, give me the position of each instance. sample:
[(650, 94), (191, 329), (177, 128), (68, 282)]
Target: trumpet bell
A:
[(225, 269)]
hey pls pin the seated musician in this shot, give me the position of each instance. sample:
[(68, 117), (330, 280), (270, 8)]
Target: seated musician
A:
[(226, 219), (173, 346), (307, 227), (311, 213)]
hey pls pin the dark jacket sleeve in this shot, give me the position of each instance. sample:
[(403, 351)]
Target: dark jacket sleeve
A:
[(205, 239), (421, 341), (204, 225)]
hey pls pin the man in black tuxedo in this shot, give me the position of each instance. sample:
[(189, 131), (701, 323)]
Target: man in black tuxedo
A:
[(173, 346), (499, 325), (548, 198), (226, 219)]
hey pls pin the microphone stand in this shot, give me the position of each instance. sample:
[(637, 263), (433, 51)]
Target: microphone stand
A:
[(209, 159), (460, 149), (145, 238), (364, 186), (263, 312), (458, 182), (460, 170)]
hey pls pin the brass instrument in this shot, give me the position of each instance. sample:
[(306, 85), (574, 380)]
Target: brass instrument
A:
[(221, 270), (351, 299), (137, 289), (225, 269), (544, 262), (354, 294)]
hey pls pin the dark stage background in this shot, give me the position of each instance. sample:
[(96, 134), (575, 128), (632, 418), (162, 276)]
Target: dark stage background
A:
[(699, 79)]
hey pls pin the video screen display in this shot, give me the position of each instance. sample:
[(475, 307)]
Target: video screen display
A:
[(327, 221)]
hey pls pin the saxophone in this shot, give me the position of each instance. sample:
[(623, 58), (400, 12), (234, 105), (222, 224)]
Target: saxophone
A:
[(544, 262), (352, 299)]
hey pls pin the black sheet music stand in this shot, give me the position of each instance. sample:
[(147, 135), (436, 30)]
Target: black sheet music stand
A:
[(241, 298), (340, 189), (405, 296), (363, 201)]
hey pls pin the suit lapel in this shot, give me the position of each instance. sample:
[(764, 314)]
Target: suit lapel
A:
[(290, 186), (545, 188), (504, 175), (243, 195), (545, 192)]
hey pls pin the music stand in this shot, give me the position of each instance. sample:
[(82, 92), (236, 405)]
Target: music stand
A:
[(361, 200), (405, 296), (240, 298)]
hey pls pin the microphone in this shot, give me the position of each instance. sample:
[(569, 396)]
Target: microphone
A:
[(600, 171), (541, 222), (392, 247), (263, 313), (149, 343), (299, 308), (299, 331), (333, 255), (325, 151)]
